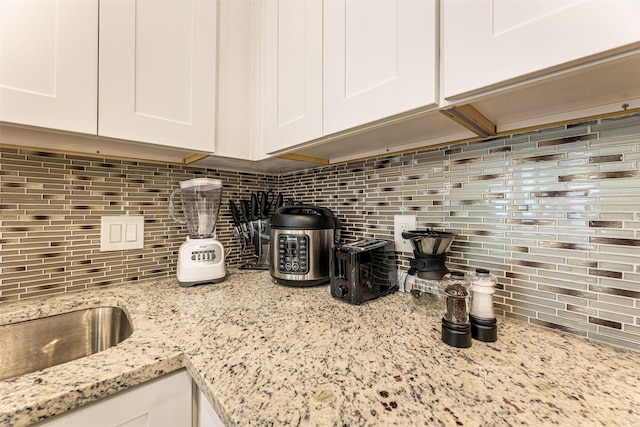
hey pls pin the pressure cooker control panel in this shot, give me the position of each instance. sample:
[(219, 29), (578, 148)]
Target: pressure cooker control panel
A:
[(293, 254)]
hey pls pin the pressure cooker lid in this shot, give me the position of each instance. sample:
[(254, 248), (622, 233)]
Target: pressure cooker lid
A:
[(304, 217)]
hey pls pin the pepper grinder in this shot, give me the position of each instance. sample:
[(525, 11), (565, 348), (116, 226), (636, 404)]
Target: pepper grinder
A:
[(456, 326), (484, 326)]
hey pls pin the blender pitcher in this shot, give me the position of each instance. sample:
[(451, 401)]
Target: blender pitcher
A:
[(201, 257), (200, 206)]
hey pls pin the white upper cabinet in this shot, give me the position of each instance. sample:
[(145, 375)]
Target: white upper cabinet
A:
[(48, 63), (380, 59), (237, 107), (292, 72), (492, 42), (154, 80), (332, 65), (158, 72)]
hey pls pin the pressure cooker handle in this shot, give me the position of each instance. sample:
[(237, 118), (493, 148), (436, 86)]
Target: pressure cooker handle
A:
[(298, 208)]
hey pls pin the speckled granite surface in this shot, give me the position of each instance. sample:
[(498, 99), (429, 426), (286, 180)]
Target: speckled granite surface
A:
[(271, 355)]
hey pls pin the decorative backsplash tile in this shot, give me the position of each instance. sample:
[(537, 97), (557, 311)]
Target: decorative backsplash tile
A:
[(51, 204), (554, 214)]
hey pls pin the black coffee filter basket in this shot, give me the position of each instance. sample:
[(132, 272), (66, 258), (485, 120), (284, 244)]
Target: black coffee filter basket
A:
[(429, 242)]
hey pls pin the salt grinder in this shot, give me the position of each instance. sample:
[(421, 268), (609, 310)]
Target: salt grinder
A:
[(484, 326), (456, 326)]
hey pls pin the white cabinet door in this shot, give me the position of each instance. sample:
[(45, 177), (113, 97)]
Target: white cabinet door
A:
[(292, 67), (380, 59), (158, 71), (237, 107), (487, 42), (48, 63), (207, 416), (165, 402)]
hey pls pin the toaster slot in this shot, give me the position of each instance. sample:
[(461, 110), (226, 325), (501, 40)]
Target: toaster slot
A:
[(341, 272)]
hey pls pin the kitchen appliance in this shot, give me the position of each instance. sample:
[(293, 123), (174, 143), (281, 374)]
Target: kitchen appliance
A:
[(201, 257), (430, 251), (302, 237), (427, 268), (363, 270)]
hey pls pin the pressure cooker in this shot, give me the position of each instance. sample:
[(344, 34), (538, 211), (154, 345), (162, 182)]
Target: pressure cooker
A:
[(302, 237)]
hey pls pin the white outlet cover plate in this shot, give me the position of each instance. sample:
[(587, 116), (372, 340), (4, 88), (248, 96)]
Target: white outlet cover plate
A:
[(121, 232), (403, 223)]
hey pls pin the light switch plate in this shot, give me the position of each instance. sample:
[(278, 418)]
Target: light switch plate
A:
[(120, 232), (403, 223)]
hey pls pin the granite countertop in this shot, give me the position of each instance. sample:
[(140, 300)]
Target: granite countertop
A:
[(265, 354)]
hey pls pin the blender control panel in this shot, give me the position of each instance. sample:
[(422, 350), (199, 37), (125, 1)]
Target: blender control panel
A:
[(293, 254), (195, 254), (203, 256)]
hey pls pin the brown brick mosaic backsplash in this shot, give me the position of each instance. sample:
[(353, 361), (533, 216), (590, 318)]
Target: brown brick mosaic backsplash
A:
[(50, 209), (554, 214)]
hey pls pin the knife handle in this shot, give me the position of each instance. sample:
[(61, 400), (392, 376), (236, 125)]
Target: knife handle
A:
[(279, 202), (235, 215), (244, 205), (254, 206), (263, 200)]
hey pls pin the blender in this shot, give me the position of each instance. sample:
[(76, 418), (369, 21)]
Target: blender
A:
[(427, 268), (201, 257)]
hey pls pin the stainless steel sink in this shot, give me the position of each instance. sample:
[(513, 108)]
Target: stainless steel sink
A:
[(41, 343)]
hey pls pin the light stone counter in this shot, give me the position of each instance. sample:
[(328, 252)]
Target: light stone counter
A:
[(265, 354)]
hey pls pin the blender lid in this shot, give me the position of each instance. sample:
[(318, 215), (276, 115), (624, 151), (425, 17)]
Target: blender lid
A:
[(202, 182)]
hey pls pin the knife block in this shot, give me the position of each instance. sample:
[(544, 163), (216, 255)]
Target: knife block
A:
[(261, 246)]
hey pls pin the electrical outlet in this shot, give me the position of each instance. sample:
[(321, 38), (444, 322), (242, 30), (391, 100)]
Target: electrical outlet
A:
[(403, 223)]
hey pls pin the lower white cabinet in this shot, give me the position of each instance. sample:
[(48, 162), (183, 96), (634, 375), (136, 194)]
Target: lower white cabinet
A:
[(207, 416), (169, 401)]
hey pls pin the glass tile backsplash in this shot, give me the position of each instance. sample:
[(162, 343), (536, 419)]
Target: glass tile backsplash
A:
[(50, 209), (554, 214)]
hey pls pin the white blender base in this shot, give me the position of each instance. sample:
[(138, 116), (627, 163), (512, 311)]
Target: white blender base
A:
[(201, 261)]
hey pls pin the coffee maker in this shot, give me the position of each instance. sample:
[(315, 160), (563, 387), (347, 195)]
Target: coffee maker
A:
[(427, 268), (430, 252), (201, 257)]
